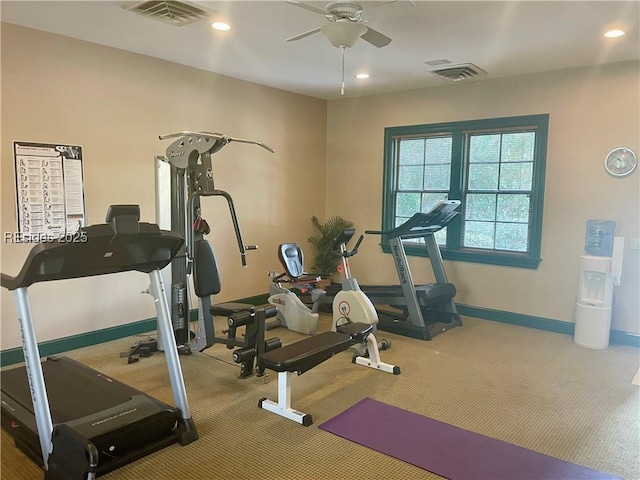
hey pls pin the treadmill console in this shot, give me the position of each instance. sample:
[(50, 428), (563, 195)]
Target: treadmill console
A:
[(421, 224), (122, 245)]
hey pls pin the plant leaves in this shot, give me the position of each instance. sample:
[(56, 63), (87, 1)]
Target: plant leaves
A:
[(324, 261)]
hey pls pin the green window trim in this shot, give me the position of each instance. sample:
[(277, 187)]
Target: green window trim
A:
[(460, 132)]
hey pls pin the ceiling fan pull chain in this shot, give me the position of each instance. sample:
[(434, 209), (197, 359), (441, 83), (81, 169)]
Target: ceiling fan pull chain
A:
[(342, 88)]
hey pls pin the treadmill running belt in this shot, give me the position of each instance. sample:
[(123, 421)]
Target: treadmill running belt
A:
[(74, 390)]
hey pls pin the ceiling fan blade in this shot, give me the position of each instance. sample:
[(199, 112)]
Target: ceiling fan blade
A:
[(381, 4), (375, 38), (373, 12), (302, 35), (307, 7)]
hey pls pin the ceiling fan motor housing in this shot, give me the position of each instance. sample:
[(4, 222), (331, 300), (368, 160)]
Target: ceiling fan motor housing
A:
[(350, 10)]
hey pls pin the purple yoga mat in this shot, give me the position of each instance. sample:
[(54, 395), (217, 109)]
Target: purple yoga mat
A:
[(446, 450)]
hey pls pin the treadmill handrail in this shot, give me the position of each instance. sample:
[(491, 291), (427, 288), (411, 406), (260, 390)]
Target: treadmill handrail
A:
[(421, 224), (123, 245), (100, 252)]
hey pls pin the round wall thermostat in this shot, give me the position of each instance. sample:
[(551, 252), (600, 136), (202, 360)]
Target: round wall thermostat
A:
[(620, 162)]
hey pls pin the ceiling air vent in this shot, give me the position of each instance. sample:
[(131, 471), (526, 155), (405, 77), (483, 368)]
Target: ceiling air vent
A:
[(458, 72), (171, 12)]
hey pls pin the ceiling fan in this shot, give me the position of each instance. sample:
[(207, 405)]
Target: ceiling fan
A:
[(346, 24)]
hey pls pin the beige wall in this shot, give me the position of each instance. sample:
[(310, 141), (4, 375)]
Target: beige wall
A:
[(591, 111), (115, 104)]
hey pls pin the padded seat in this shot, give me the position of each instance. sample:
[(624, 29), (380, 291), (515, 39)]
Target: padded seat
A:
[(305, 354), (229, 308), (358, 331), (291, 257)]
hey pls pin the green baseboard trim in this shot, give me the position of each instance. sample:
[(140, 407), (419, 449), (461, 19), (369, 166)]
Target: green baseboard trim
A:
[(624, 338), (541, 323), (502, 316), (53, 347), (12, 356)]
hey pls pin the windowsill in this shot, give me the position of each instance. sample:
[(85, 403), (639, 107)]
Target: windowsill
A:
[(473, 256)]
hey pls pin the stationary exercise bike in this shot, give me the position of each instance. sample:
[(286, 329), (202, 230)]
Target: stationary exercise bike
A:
[(292, 312), (351, 305)]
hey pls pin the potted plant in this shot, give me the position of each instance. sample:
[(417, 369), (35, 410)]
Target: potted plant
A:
[(323, 261)]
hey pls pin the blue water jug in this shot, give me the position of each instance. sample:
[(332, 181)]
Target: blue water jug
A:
[(599, 238)]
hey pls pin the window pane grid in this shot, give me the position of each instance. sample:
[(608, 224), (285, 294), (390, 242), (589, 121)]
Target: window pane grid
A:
[(423, 177), (495, 166), (499, 182)]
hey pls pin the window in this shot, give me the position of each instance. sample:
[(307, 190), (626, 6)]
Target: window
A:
[(495, 167)]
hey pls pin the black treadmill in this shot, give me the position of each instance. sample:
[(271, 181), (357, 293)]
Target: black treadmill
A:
[(417, 311), (82, 424)]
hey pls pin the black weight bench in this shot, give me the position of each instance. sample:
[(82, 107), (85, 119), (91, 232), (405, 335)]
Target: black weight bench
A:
[(302, 356)]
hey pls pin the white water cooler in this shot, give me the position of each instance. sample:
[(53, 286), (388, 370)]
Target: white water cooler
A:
[(600, 270)]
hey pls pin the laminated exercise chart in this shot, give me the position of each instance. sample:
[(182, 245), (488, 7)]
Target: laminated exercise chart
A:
[(49, 188)]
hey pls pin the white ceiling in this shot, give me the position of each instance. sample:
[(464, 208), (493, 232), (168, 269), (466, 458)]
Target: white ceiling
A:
[(503, 38)]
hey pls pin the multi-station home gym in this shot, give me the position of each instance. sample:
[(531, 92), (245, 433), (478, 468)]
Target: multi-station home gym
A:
[(306, 240)]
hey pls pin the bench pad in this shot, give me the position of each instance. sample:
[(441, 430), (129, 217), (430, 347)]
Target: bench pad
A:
[(305, 354), (229, 308)]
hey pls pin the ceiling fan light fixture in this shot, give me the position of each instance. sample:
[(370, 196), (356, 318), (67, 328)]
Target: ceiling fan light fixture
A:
[(343, 34)]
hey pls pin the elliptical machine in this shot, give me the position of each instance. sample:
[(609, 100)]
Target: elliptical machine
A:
[(351, 305)]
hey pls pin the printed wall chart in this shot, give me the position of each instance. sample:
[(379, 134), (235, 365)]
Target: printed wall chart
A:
[(50, 189)]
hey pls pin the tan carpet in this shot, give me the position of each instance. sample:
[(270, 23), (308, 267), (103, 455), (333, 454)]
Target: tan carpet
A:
[(531, 388)]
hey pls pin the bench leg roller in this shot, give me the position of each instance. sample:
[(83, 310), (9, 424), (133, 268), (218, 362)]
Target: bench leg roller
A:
[(283, 406)]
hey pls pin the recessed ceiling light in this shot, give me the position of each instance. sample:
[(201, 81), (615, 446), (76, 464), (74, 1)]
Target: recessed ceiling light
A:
[(221, 26), (362, 76), (614, 33)]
